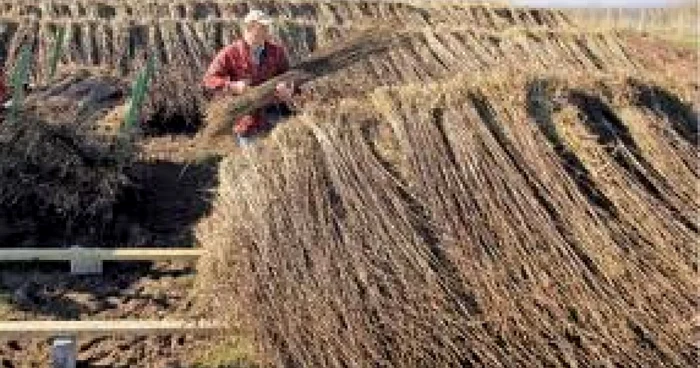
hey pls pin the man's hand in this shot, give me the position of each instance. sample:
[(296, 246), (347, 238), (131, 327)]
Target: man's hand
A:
[(284, 91), (237, 87)]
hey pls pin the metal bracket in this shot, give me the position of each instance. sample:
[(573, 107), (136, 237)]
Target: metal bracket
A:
[(64, 352), (85, 265)]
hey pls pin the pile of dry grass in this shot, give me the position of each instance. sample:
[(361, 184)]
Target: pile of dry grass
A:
[(522, 221), (59, 170), (79, 96), (313, 238)]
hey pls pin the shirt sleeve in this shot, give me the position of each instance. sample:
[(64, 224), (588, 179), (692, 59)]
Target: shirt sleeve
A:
[(220, 71)]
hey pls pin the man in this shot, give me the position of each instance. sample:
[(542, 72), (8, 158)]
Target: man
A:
[(249, 62)]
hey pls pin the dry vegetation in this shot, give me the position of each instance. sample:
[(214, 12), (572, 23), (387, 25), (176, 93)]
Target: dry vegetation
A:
[(466, 185), (55, 165), (677, 23), (519, 214), (680, 19), (519, 222)]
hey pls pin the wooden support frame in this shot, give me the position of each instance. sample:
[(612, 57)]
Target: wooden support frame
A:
[(88, 261), (52, 329)]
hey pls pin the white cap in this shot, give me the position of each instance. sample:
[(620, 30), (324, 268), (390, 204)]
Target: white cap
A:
[(258, 16)]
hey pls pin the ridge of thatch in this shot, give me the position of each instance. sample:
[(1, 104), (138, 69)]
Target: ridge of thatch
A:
[(501, 224)]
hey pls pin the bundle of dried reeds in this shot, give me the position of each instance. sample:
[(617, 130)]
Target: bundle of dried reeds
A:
[(513, 222)]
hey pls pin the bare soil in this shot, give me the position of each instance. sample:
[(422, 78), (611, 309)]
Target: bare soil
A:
[(123, 292)]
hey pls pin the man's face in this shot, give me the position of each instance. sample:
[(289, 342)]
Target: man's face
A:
[(257, 33)]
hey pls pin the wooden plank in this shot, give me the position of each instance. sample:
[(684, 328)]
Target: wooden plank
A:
[(103, 254), (49, 329)]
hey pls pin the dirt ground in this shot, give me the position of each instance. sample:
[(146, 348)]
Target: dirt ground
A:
[(123, 292)]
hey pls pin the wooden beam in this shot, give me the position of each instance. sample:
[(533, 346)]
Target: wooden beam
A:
[(89, 261), (102, 254), (52, 329)]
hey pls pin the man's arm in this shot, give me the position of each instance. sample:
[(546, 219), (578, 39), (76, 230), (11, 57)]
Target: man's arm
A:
[(220, 73)]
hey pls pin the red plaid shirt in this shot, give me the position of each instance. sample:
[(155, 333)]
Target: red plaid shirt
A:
[(235, 63)]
